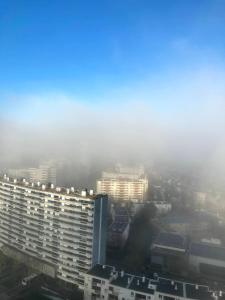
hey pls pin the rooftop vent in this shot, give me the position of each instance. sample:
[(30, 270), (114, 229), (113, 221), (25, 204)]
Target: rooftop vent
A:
[(15, 180), (83, 193), (172, 282), (91, 192), (143, 279), (43, 187), (72, 189), (150, 286), (196, 287), (52, 186), (38, 183), (138, 282), (175, 287), (104, 266), (58, 189), (67, 191), (122, 273)]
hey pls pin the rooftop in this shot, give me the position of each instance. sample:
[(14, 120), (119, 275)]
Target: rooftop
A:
[(142, 284), (198, 292), (170, 240), (150, 285), (118, 227), (207, 251), (170, 287), (101, 271), (38, 186), (122, 281)]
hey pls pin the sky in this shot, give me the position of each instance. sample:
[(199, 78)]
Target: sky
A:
[(147, 71)]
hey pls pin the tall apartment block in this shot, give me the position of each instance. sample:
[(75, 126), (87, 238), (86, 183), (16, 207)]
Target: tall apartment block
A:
[(124, 184), (58, 231)]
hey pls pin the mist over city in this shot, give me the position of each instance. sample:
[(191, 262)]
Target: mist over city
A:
[(129, 128), (112, 150)]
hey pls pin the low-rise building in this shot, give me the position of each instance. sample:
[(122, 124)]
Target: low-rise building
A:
[(105, 282), (207, 259), (169, 251)]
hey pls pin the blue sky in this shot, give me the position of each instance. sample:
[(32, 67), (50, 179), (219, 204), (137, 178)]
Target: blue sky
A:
[(99, 51)]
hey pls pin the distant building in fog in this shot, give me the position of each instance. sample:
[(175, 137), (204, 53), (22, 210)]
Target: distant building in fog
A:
[(45, 173), (124, 184)]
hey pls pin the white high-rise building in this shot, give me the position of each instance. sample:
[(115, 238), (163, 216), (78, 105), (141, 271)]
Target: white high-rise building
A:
[(58, 231), (125, 184)]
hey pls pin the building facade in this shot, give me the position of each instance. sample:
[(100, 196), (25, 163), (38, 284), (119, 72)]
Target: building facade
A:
[(45, 173), (56, 227), (105, 282), (125, 184)]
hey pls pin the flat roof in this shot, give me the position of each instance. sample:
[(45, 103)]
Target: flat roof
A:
[(171, 287), (141, 284), (173, 240), (148, 285), (118, 227), (62, 190), (198, 292), (207, 251), (122, 281), (101, 271)]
